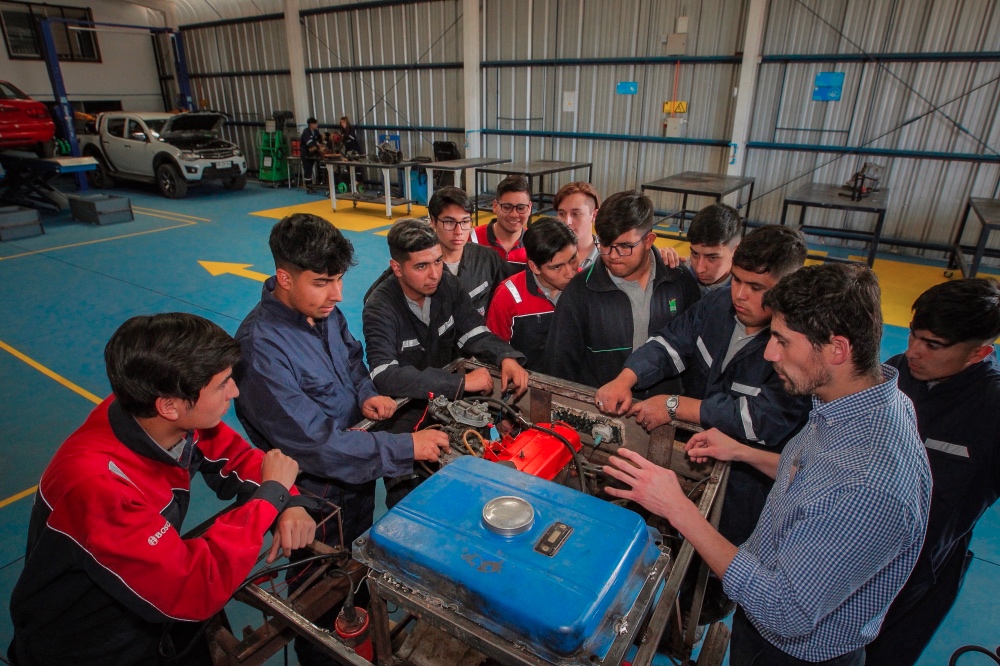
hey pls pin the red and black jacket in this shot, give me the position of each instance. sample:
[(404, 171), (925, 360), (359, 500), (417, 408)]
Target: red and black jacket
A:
[(487, 237), (521, 314), (106, 569)]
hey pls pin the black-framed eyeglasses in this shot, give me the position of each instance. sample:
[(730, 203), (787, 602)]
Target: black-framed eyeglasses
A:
[(520, 208), (623, 249), (449, 224)]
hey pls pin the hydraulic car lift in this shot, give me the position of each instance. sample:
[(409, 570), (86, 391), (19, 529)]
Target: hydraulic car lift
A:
[(27, 181)]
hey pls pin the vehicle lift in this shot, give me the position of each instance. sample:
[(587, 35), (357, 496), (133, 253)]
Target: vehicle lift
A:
[(26, 180), (64, 114)]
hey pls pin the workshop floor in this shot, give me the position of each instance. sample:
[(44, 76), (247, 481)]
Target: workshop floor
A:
[(68, 290)]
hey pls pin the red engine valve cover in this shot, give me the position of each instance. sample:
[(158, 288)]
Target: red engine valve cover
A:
[(535, 452)]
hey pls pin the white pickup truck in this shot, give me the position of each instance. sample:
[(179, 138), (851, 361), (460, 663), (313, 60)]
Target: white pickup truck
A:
[(170, 149)]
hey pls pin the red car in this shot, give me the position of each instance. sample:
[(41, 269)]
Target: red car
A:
[(25, 123)]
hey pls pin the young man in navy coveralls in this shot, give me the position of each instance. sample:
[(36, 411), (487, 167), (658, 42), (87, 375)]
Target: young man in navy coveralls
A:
[(950, 372)]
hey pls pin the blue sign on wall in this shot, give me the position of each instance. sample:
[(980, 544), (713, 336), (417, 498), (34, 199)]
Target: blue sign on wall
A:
[(627, 88), (829, 87)]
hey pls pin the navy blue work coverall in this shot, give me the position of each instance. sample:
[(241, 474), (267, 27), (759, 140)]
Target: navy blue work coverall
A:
[(959, 422), (744, 400)]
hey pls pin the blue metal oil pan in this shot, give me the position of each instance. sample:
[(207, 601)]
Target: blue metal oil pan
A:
[(561, 587)]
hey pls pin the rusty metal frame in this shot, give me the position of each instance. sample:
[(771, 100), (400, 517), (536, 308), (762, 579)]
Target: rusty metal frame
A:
[(289, 618), (444, 616)]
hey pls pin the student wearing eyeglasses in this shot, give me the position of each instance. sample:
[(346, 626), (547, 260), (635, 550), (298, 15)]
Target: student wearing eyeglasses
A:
[(477, 267), (512, 206), (620, 301)]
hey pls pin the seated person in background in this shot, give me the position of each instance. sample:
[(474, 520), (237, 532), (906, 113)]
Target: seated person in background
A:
[(505, 234), (613, 307), (477, 267), (714, 235), (107, 578), (951, 374), (522, 307), (576, 206), (304, 384), (843, 526), (348, 137), (728, 384), (421, 318)]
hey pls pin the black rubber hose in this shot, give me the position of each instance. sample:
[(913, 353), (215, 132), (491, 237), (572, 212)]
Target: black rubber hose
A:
[(520, 419), (995, 656)]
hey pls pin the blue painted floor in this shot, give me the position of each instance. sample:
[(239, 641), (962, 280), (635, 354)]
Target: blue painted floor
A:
[(67, 291)]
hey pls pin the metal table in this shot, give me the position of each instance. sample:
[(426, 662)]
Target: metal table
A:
[(458, 166), (988, 213), (699, 184), (384, 169), (820, 195), (531, 170)]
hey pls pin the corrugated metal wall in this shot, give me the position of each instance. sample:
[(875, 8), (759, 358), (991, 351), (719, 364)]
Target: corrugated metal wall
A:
[(355, 62), (927, 196), (530, 97), (380, 40), (354, 56), (241, 69)]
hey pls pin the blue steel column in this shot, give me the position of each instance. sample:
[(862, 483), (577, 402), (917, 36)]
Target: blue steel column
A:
[(65, 111), (180, 64)]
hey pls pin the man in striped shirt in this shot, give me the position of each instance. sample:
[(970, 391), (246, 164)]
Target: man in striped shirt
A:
[(845, 520)]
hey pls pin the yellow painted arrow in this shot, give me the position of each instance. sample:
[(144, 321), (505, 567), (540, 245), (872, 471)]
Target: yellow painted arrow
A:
[(240, 270)]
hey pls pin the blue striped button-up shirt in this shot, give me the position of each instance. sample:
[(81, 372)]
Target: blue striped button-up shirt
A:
[(842, 526)]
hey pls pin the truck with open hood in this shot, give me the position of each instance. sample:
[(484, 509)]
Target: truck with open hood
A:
[(172, 150)]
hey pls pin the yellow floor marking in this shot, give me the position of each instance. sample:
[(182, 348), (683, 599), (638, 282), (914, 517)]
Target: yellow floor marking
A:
[(172, 218), (683, 247), (167, 212), (366, 217), (98, 240), (816, 262), (21, 495), (904, 281), (221, 268), (50, 374)]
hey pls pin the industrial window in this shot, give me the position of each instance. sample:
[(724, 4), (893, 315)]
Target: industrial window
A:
[(24, 37)]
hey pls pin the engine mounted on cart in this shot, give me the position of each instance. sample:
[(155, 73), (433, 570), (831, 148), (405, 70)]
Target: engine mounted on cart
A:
[(541, 449)]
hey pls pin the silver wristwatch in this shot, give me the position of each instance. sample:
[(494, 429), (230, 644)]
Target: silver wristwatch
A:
[(672, 402)]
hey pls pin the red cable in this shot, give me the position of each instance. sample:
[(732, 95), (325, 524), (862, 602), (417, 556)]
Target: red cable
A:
[(430, 396)]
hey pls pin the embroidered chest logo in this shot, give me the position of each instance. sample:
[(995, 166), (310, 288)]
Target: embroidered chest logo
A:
[(155, 539)]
